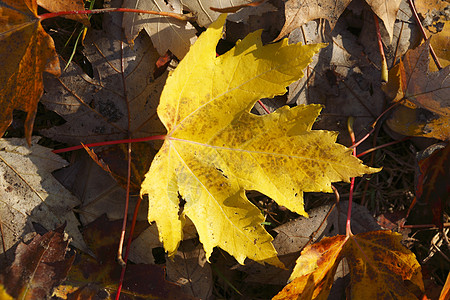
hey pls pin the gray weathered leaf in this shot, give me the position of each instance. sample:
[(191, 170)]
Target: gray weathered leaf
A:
[(29, 192)]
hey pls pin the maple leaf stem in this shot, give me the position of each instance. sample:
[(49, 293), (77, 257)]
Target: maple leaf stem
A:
[(383, 146), (373, 125), (263, 106), (121, 261), (424, 34), (348, 230), (182, 17), (115, 142), (384, 68), (127, 250)]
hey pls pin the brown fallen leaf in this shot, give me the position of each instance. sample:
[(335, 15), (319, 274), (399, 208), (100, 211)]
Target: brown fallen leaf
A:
[(422, 93), (433, 186), (90, 276), (97, 190), (299, 12), (380, 268), (26, 52), (190, 270), (38, 267), (30, 193), (341, 78), (115, 104), (437, 26)]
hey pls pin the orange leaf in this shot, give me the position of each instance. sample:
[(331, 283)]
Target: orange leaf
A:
[(380, 268), (445, 294), (27, 51)]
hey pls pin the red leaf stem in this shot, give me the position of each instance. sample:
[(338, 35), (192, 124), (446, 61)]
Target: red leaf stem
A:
[(125, 141)]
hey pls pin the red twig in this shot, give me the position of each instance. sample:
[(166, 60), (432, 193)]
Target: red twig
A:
[(428, 226), (348, 230), (144, 139), (182, 17), (263, 106), (383, 146), (120, 259), (374, 124), (424, 34), (384, 68), (127, 250)]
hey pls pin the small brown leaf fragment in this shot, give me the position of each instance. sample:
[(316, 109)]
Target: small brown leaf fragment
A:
[(38, 267), (26, 52)]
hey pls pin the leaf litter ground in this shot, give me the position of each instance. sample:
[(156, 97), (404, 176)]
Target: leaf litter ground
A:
[(394, 186)]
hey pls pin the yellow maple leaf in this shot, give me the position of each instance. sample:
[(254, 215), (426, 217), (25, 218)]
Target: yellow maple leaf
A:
[(380, 268), (215, 149)]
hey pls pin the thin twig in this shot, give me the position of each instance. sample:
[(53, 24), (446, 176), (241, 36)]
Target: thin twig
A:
[(424, 34), (182, 17)]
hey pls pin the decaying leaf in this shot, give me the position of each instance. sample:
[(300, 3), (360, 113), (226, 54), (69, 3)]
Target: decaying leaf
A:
[(190, 270), (38, 267), (97, 191), (380, 268), (26, 52), (437, 25), (91, 276), (117, 103), (299, 12), (421, 91), (29, 192), (215, 149), (433, 186)]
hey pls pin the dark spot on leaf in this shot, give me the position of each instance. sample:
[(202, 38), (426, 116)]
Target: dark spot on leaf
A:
[(109, 110)]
